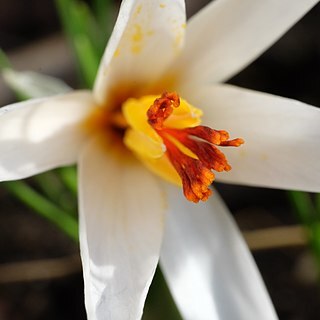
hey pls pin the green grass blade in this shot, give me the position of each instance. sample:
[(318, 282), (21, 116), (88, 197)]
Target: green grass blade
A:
[(64, 221)]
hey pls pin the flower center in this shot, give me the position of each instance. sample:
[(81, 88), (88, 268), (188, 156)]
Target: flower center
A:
[(163, 136)]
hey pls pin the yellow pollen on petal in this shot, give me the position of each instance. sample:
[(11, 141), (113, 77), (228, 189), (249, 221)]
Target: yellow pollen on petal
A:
[(116, 53), (137, 38), (138, 10)]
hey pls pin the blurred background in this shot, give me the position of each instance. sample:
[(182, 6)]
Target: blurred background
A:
[(40, 271)]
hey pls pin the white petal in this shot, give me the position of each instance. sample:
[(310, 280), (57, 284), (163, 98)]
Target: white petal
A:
[(281, 136), (208, 267), (42, 134), (227, 35), (121, 226), (34, 85), (147, 37)]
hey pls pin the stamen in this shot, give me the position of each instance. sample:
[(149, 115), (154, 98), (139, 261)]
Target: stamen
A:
[(195, 173)]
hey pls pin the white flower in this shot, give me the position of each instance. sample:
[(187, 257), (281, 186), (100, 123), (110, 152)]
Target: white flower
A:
[(123, 206)]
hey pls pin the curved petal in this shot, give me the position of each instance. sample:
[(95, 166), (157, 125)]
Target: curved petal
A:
[(34, 85), (207, 265), (38, 135), (227, 35), (147, 37), (121, 225), (281, 136)]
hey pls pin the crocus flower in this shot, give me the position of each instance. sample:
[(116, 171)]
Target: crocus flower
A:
[(141, 122)]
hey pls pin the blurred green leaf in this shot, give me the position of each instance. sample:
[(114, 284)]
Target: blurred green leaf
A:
[(303, 206), (87, 58), (104, 12), (54, 188), (309, 215), (45, 208), (160, 304), (69, 178), (88, 39), (4, 60), (317, 204)]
